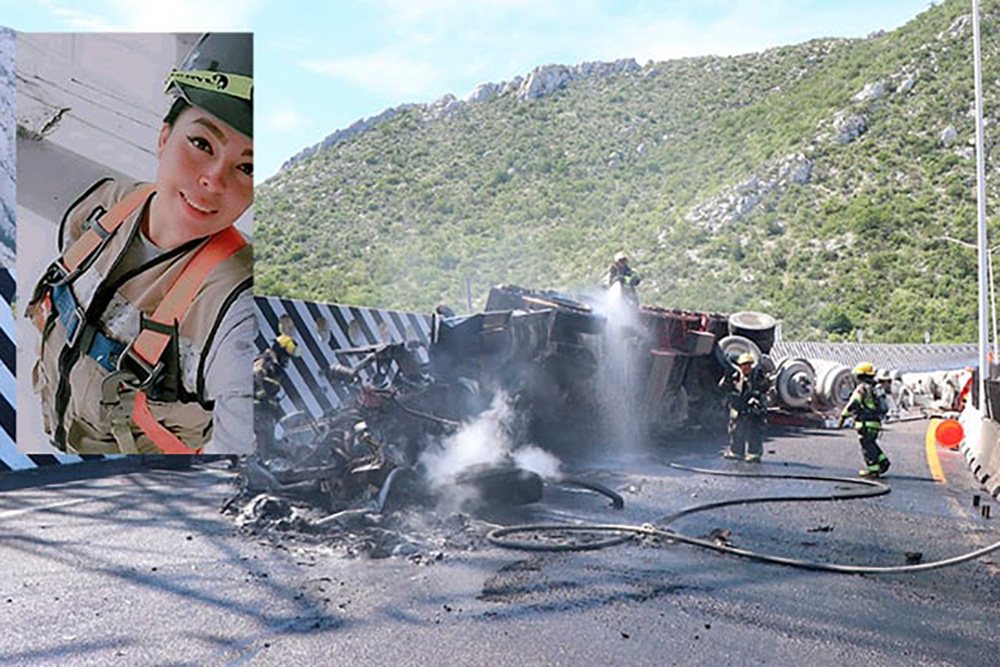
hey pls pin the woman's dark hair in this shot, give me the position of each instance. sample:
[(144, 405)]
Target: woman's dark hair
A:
[(176, 109)]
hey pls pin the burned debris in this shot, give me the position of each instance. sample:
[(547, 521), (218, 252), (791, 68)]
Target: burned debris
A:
[(478, 416)]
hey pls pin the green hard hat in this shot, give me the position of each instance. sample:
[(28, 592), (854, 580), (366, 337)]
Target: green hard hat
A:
[(217, 76)]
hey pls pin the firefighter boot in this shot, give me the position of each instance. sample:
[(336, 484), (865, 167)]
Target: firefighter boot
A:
[(883, 464), (871, 471)]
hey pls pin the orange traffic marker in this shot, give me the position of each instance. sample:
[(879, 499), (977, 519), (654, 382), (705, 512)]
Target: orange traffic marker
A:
[(949, 433)]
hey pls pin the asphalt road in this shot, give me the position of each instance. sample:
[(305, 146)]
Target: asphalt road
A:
[(112, 564)]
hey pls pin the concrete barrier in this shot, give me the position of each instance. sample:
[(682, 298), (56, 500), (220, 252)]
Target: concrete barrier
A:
[(307, 389), (981, 448)]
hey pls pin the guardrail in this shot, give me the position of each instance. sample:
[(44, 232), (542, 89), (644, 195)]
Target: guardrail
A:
[(306, 387), (982, 441)]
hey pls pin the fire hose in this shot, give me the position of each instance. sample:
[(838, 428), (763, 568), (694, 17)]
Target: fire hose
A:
[(624, 532)]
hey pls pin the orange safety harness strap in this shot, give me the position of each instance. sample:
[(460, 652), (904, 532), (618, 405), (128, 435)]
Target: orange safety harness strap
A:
[(158, 433), (101, 228), (82, 249), (150, 345)]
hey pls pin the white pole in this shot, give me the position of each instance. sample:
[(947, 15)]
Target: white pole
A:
[(993, 311), (981, 201)]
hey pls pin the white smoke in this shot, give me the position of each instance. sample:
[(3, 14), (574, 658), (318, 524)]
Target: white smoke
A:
[(537, 460), (489, 439)]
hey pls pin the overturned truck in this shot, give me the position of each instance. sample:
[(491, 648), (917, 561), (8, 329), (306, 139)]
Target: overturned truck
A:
[(570, 361), (576, 372)]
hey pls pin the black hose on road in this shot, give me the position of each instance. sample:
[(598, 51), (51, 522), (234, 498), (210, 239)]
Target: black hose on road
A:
[(617, 502), (623, 532)]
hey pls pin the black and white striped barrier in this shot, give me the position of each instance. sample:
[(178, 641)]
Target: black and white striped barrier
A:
[(306, 389), (981, 445), (10, 458), (306, 386)]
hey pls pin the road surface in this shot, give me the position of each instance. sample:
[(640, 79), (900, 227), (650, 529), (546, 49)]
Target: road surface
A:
[(112, 563)]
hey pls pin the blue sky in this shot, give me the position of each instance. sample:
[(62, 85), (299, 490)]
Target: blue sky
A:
[(320, 66)]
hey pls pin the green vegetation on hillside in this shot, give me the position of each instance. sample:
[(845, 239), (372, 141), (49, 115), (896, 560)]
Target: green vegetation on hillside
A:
[(542, 192)]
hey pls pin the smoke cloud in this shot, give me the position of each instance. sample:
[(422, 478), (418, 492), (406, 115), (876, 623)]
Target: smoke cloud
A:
[(491, 438)]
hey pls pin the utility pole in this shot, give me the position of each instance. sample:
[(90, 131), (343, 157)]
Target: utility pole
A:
[(984, 325)]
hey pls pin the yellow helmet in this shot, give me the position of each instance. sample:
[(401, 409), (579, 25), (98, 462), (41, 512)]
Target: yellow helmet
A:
[(864, 368), (620, 255), (745, 358), (286, 342)]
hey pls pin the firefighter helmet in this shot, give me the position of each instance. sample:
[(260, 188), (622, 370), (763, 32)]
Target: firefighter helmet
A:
[(217, 75), (745, 358), (864, 368), (286, 343), (620, 255)]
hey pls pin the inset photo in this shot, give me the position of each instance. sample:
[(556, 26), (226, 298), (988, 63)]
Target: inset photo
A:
[(135, 319)]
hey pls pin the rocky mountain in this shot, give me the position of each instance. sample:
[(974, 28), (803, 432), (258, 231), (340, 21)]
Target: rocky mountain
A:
[(541, 81), (815, 182)]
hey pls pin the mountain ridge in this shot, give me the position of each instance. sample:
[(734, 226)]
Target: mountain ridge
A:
[(540, 81), (789, 180)]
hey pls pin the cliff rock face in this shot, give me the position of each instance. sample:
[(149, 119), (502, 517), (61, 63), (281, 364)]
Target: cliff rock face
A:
[(740, 200), (8, 129), (848, 127), (550, 78), (871, 92), (540, 82)]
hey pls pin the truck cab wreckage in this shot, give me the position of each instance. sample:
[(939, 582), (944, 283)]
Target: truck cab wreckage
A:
[(567, 373)]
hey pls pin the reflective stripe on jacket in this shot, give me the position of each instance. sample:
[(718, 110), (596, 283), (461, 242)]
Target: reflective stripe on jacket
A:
[(863, 407)]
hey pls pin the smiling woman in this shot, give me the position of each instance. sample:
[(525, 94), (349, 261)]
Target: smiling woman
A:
[(146, 318), (204, 181)]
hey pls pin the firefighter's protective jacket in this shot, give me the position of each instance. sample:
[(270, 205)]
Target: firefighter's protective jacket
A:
[(866, 406), (626, 275), (747, 396)]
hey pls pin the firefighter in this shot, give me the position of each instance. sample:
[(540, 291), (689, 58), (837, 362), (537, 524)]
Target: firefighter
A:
[(323, 336), (146, 317), (867, 408), (621, 272), (268, 374), (883, 393), (747, 397)]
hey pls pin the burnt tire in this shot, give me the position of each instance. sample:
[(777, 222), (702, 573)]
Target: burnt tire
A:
[(503, 487)]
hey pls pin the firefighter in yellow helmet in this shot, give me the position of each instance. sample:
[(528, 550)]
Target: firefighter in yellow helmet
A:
[(746, 389), (268, 374), (621, 272), (868, 407), (286, 343)]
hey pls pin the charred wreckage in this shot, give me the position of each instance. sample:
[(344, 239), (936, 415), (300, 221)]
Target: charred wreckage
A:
[(534, 367)]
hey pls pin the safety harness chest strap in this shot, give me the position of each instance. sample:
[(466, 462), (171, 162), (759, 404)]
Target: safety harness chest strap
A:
[(99, 228), (153, 339)]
